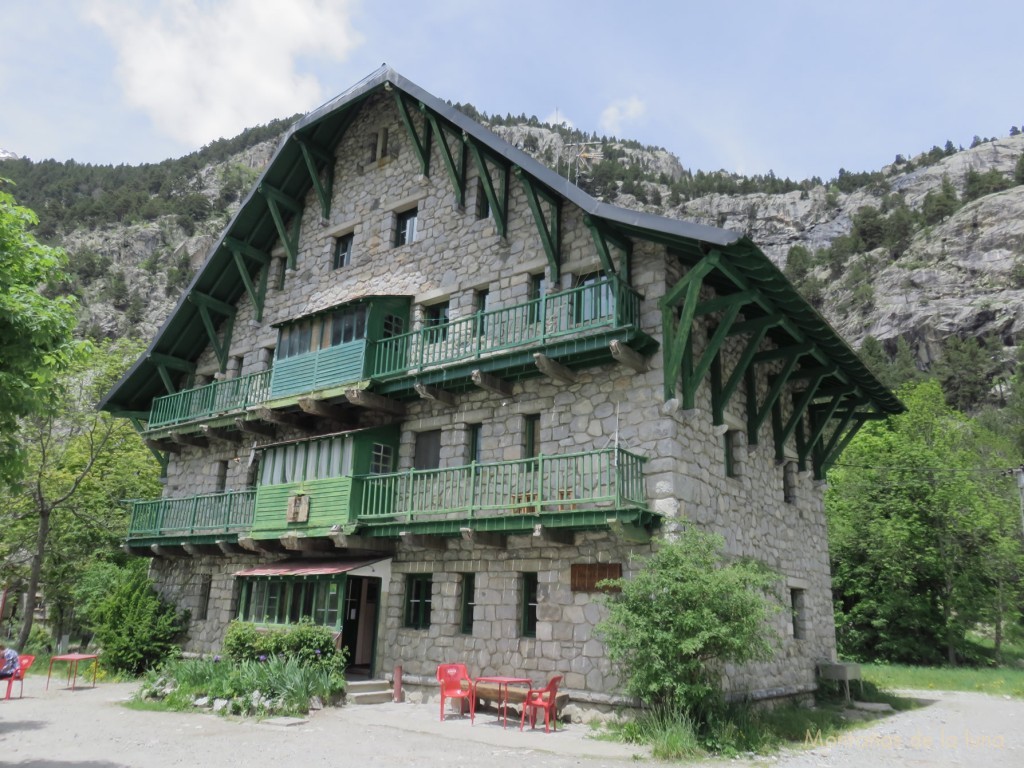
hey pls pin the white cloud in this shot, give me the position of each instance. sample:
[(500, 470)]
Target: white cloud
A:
[(206, 69), (557, 118), (619, 112)]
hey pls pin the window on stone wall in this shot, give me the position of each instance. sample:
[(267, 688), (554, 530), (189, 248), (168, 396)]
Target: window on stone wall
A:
[(286, 601), (536, 289), (473, 444), (468, 602), (729, 442), (435, 320), (203, 603), (798, 612), (221, 470), (528, 624), (789, 482), (584, 577), (343, 250), (427, 453), (382, 459), (418, 587), (483, 205), (480, 299), (405, 227), (531, 435)]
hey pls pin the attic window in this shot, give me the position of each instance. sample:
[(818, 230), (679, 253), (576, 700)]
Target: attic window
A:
[(379, 146)]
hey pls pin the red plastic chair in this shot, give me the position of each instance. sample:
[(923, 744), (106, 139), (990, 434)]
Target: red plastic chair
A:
[(24, 662), (545, 698), (451, 677)]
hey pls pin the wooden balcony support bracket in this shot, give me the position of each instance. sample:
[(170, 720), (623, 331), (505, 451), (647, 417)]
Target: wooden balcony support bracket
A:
[(758, 329), (484, 538), (207, 305), (839, 440), (676, 331), (295, 542), (322, 409), (420, 143), (200, 550), (361, 543), (603, 238), (757, 415), (261, 546), (256, 428), (456, 167), (427, 392), (161, 550), (549, 223), (491, 383), (424, 541), (374, 402), (629, 357), (285, 419), (561, 536), (320, 164), (185, 438), (163, 446), (553, 369), (821, 417), (231, 548), (221, 434), (257, 292), (631, 533), (276, 200), (801, 402), (497, 194)]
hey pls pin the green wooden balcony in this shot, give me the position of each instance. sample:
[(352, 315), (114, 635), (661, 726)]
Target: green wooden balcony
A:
[(216, 399), (576, 490), (187, 518), (568, 318)]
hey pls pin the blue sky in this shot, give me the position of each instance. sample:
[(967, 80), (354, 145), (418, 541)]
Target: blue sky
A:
[(800, 88)]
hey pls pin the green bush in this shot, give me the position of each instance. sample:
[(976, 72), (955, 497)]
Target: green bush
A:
[(684, 613), (305, 642), (136, 628)]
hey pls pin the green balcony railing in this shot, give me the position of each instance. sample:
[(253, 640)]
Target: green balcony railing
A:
[(605, 304), (220, 397), (611, 478), (230, 512)]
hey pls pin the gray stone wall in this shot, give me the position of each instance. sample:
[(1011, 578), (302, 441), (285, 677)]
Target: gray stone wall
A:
[(453, 256)]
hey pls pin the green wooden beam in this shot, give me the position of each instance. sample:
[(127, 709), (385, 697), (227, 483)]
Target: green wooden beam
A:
[(819, 422), (725, 301), (801, 402), (421, 145), (456, 171), (715, 342), (256, 295), (718, 400), (744, 364), (777, 383), (827, 446), (603, 238), (171, 362), (498, 202), (677, 335), (549, 227), (207, 305), (246, 249), (312, 154), (276, 200), (165, 377), (783, 353), (830, 457)]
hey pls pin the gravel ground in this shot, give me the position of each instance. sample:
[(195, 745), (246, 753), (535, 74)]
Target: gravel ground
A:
[(88, 728)]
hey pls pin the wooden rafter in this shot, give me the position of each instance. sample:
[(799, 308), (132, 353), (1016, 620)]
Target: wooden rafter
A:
[(207, 305), (257, 292), (419, 143), (604, 238), (456, 167), (549, 223), (276, 200), (318, 160), (497, 194)]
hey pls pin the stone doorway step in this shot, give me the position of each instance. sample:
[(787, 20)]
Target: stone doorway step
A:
[(368, 692)]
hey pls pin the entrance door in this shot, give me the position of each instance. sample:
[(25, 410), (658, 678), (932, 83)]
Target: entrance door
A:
[(359, 629)]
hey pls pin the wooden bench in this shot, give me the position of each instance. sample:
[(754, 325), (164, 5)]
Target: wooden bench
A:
[(516, 694)]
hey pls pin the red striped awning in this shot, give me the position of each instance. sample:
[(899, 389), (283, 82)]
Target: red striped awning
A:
[(306, 567)]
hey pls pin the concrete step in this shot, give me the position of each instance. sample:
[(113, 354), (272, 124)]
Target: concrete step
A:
[(368, 692)]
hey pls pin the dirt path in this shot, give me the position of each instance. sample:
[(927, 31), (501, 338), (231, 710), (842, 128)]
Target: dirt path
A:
[(88, 728)]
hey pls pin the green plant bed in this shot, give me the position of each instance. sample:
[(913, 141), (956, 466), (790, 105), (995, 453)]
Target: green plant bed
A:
[(1003, 681)]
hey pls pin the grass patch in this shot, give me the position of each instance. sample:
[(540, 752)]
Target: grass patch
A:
[(1002, 681)]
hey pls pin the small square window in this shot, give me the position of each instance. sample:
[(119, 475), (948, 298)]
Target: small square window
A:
[(343, 251), (405, 227), (418, 587)]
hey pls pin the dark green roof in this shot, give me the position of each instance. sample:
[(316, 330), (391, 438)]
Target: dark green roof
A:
[(184, 335)]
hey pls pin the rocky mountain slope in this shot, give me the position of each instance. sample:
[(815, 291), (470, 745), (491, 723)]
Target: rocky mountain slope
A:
[(960, 275)]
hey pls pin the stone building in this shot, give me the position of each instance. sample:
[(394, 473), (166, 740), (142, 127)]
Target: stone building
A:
[(427, 392)]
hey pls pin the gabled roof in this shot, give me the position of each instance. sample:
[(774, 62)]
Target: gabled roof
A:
[(184, 334)]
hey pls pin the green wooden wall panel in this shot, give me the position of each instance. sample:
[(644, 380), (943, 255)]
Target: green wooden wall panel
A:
[(329, 505)]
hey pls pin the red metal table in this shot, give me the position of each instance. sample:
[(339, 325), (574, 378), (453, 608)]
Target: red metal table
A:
[(503, 683), (73, 659)]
